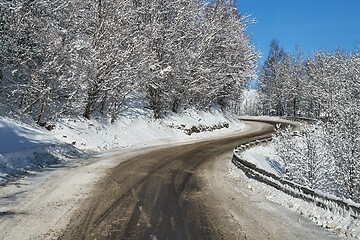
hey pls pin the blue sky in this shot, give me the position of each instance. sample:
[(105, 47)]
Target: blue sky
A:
[(311, 24)]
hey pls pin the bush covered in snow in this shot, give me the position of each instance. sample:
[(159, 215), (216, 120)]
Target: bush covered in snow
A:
[(321, 158)]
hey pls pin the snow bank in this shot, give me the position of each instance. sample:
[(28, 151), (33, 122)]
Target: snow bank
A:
[(336, 220), (264, 157), (141, 130), (23, 148)]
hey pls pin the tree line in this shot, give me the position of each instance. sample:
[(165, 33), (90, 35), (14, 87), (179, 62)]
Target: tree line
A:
[(324, 87), (82, 57)]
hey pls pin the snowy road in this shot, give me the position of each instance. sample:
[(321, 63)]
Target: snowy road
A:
[(178, 193), (182, 191)]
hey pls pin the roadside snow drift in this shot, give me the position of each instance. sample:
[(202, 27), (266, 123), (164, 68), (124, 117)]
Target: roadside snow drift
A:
[(142, 130), (336, 220), (23, 148)]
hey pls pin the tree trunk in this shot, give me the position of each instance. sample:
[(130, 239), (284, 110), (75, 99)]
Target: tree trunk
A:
[(154, 100), (295, 107)]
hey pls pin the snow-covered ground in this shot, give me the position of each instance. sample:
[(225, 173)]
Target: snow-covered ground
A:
[(265, 157), (141, 130), (24, 147)]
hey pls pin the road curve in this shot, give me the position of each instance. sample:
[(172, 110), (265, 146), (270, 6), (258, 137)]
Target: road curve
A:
[(160, 195)]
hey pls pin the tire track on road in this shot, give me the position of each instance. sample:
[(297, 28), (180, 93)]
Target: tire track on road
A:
[(157, 195)]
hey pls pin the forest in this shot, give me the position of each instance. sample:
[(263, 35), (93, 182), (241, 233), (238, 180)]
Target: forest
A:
[(84, 57), (325, 89)]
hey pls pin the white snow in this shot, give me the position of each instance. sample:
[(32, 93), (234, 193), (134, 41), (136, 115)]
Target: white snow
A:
[(23, 147), (141, 130), (264, 157), (249, 102)]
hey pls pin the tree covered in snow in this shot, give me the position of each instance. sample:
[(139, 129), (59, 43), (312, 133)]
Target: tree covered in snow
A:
[(282, 82), (33, 56), (306, 157), (249, 103), (272, 79), (315, 87), (327, 86), (326, 74), (85, 57), (345, 148)]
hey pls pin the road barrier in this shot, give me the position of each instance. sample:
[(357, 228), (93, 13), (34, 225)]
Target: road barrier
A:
[(331, 203)]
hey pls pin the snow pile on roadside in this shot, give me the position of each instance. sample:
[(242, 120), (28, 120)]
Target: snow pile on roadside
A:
[(141, 130), (23, 148), (265, 157)]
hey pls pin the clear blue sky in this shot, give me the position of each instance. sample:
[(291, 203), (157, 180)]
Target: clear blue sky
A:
[(311, 24)]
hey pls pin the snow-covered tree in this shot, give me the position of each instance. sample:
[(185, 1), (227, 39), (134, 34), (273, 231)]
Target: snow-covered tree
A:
[(326, 76), (282, 82), (294, 84), (272, 80), (85, 57), (33, 60), (306, 157), (225, 59), (249, 102), (331, 81), (198, 55)]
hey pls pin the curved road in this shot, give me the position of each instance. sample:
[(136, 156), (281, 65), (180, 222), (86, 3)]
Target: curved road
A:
[(168, 194)]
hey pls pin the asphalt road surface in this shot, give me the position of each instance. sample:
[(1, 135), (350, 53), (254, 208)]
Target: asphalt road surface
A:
[(168, 194)]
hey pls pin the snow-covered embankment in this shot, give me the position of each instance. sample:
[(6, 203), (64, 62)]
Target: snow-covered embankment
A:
[(335, 214), (24, 147)]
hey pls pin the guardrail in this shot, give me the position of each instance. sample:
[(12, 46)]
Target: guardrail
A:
[(291, 188), (301, 119)]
